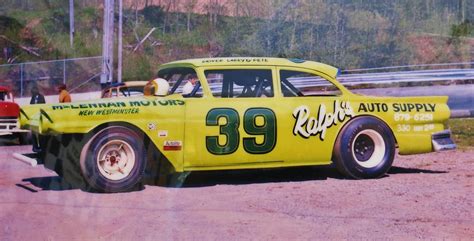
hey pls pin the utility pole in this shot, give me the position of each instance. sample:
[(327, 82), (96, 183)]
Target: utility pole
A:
[(71, 23), (108, 43), (462, 10), (119, 67)]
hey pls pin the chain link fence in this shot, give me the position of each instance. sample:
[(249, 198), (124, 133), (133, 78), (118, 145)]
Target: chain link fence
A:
[(80, 75)]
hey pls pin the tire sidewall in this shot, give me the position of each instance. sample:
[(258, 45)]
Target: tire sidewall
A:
[(350, 133), (91, 170)]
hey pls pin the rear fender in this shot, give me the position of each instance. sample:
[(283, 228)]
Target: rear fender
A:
[(413, 120)]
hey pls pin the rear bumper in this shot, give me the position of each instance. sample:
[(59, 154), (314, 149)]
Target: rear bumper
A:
[(442, 141)]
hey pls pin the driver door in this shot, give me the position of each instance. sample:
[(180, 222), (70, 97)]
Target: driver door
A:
[(236, 125)]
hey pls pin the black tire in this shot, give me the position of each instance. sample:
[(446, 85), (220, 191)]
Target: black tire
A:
[(365, 148), (61, 154), (25, 138), (114, 160)]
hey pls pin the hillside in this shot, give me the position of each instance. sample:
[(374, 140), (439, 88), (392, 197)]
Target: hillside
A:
[(343, 33)]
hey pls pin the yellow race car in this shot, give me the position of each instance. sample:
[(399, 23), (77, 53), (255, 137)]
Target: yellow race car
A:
[(234, 113), (127, 89)]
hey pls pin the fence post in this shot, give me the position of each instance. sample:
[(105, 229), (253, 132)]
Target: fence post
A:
[(64, 71)]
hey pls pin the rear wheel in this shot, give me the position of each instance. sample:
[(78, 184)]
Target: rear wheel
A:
[(365, 148), (114, 160)]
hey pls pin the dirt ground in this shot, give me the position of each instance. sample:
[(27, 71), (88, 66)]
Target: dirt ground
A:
[(426, 196)]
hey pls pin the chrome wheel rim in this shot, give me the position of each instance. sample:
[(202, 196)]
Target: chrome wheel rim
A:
[(368, 148), (115, 160)]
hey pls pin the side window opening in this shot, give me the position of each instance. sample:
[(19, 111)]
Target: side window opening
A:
[(134, 91), (6, 96), (242, 83), (182, 81), (297, 84), (124, 91)]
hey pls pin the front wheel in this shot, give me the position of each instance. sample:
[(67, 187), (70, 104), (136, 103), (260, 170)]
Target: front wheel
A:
[(365, 148), (114, 160)]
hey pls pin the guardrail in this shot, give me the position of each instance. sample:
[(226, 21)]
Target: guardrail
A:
[(395, 77), (455, 114), (408, 76), (412, 67)]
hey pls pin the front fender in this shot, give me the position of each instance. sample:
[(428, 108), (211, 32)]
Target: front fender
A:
[(161, 119)]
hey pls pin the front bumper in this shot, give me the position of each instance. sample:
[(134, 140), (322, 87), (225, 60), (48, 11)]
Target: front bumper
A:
[(9, 126), (442, 141)]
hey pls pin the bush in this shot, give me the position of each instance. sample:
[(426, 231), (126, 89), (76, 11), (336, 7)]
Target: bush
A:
[(58, 22), (154, 15), (462, 30), (137, 67), (9, 27)]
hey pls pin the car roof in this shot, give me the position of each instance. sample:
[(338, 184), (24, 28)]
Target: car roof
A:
[(4, 89), (254, 61), (135, 83), (127, 84)]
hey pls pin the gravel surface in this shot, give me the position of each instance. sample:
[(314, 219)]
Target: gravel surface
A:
[(426, 196)]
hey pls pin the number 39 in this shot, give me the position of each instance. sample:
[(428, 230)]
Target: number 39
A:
[(231, 131)]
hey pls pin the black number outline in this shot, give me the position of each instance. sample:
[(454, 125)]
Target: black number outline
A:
[(254, 120), (237, 123)]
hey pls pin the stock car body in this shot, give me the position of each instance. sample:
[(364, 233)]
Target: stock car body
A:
[(125, 89), (242, 113)]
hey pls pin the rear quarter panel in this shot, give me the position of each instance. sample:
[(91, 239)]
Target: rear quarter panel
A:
[(412, 119)]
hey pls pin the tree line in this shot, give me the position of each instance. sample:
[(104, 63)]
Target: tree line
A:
[(345, 33)]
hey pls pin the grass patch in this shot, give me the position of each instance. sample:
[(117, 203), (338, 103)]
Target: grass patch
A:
[(463, 131)]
